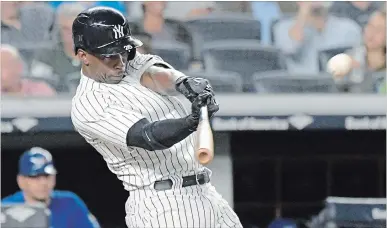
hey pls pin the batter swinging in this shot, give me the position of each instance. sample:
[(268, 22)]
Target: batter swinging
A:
[(125, 108)]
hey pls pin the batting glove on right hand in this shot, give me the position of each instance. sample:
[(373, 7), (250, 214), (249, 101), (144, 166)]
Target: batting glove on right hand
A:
[(191, 87)]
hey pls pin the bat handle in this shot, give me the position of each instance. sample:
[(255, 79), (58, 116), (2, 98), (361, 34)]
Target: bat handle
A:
[(203, 113), (204, 152)]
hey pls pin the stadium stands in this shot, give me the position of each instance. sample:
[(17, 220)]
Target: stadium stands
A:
[(221, 81), (242, 56), (222, 27)]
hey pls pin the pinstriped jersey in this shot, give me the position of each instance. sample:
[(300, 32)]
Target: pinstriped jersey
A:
[(103, 114)]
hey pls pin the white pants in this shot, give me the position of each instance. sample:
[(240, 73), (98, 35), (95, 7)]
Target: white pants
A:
[(198, 206)]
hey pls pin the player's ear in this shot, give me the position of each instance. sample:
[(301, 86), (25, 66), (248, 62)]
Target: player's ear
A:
[(20, 181), (82, 55)]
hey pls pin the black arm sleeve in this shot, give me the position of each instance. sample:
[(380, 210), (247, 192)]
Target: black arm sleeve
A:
[(160, 135)]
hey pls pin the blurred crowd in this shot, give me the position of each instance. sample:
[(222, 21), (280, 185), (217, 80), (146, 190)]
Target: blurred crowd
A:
[(261, 47)]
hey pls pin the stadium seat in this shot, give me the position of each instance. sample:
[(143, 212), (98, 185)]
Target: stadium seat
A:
[(222, 26), (284, 82), (221, 81), (242, 56), (182, 33), (176, 54)]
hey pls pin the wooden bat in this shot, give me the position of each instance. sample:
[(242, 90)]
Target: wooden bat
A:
[(204, 142)]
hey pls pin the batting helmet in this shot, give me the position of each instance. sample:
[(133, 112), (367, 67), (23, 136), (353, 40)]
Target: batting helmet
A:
[(103, 31)]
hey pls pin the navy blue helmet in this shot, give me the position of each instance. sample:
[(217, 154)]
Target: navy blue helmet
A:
[(103, 31)]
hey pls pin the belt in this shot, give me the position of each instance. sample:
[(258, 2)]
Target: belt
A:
[(199, 179)]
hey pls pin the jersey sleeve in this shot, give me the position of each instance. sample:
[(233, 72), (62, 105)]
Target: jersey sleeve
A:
[(96, 117), (81, 216), (142, 62), (17, 197)]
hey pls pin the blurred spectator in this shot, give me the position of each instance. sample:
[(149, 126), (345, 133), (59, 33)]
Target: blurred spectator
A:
[(118, 5), (10, 22), (369, 59), (266, 12), (234, 6), (313, 29), (202, 9), (359, 11), (288, 7), (11, 76), (154, 21), (56, 64), (10, 14), (37, 179), (146, 39), (139, 32), (25, 25), (177, 10)]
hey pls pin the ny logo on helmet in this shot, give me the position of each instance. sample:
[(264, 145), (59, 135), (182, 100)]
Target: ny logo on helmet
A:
[(118, 31), (128, 47)]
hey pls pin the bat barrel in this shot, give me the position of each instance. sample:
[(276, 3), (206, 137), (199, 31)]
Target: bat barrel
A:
[(204, 156)]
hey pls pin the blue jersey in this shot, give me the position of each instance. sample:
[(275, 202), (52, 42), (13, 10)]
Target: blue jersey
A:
[(67, 210)]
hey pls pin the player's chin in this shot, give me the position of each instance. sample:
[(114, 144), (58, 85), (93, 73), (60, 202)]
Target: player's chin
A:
[(115, 79), (42, 196)]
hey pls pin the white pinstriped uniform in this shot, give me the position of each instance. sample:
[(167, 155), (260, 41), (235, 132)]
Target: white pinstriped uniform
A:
[(103, 113)]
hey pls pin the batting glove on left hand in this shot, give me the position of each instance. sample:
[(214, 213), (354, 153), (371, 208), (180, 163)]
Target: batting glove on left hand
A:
[(201, 100), (191, 87)]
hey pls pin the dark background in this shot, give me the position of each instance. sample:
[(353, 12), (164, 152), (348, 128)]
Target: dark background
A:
[(283, 173)]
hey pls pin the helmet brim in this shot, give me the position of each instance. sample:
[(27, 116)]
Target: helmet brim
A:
[(119, 46)]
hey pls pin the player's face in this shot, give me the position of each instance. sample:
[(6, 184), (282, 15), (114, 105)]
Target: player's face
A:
[(38, 188), (375, 32), (109, 69)]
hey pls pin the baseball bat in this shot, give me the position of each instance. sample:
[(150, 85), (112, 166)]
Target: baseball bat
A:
[(205, 141)]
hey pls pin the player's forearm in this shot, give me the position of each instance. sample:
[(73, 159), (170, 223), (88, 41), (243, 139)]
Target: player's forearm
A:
[(161, 80), (160, 135)]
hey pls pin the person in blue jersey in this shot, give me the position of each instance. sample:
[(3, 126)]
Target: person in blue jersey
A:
[(36, 179)]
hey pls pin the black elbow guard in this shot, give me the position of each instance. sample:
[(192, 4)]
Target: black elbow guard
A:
[(147, 134), (140, 135)]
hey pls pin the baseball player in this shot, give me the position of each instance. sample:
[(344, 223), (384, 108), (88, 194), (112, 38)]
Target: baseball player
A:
[(125, 107), (36, 179)]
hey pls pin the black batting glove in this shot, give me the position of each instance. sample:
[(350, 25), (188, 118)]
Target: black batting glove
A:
[(191, 87), (205, 98)]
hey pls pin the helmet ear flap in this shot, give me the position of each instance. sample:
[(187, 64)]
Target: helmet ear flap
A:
[(132, 53)]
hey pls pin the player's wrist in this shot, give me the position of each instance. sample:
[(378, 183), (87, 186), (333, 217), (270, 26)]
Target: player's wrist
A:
[(192, 122)]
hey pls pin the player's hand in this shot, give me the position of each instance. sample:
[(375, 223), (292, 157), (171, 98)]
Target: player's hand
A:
[(191, 87), (205, 98)]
